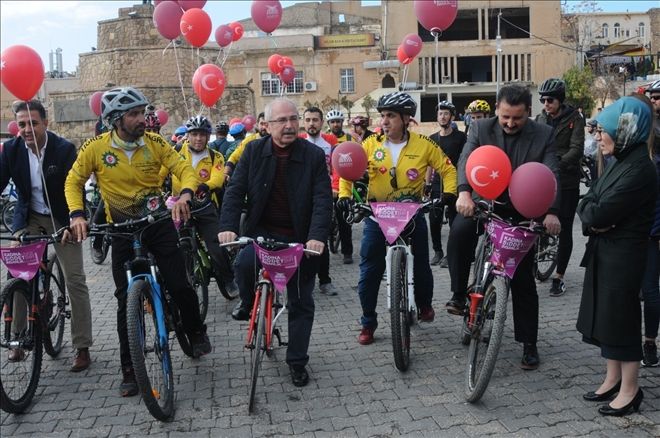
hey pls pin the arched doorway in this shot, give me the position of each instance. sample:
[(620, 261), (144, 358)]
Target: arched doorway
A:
[(388, 82)]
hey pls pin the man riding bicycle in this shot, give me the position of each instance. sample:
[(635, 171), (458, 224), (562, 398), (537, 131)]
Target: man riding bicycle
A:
[(209, 173), (126, 162), (397, 164), (524, 141), (335, 120)]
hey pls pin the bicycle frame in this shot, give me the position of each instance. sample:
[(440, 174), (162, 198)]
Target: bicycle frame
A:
[(264, 285)]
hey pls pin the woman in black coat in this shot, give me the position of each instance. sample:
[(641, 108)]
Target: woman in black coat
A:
[(616, 214)]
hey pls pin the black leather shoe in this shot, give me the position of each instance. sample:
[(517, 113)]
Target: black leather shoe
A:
[(200, 343), (241, 312), (128, 386), (633, 406), (456, 306), (593, 396), (530, 359), (299, 376)]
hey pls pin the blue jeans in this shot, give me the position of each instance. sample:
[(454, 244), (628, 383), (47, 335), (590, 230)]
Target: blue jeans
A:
[(651, 291), (372, 267)]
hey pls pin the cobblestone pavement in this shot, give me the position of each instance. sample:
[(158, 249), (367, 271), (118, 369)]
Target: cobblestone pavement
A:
[(354, 391)]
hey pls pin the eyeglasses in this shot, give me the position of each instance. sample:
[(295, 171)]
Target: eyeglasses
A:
[(393, 182), (547, 99), (656, 97), (283, 120)]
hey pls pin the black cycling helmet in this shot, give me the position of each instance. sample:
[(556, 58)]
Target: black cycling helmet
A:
[(398, 102), (118, 101), (446, 105), (654, 87), (553, 87), (198, 123), (222, 128)]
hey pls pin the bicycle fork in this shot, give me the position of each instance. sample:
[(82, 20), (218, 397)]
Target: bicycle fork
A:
[(410, 280)]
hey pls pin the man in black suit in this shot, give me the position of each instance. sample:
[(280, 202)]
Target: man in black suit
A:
[(38, 161), (524, 141)]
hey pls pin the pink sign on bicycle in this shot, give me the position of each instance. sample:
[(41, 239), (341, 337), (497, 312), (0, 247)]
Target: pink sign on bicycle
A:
[(23, 261), (392, 217), (510, 245), (280, 264)]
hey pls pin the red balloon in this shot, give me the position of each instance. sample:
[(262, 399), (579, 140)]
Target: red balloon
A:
[(288, 74), (533, 189), (12, 127), (190, 4), (488, 170), (167, 17), (266, 14), (163, 117), (224, 35), (412, 44), (349, 160), (209, 83), (275, 64), (250, 121), (95, 102), (286, 61), (22, 71), (195, 27), (238, 30), (436, 16), (235, 120), (402, 57)]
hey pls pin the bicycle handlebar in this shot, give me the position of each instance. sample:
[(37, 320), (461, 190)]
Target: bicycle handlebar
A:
[(100, 229), (269, 244), (362, 210), (484, 211), (25, 238)]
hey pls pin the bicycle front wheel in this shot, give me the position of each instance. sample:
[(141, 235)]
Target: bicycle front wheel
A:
[(150, 356), (486, 338), (19, 375), (545, 256), (399, 312), (54, 307), (8, 215), (259, 345), (196, 273), (476, 275)]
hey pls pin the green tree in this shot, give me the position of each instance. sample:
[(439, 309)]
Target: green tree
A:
[(368, 103), (348, 104), (579, 88)]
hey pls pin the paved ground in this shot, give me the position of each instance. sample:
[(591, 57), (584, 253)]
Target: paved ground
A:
[(354, 390)]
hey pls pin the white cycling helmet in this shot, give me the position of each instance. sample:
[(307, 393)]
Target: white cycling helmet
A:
[(118, 101), (334, 115)]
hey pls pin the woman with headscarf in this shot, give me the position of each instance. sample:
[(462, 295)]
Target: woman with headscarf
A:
[(617, 214)]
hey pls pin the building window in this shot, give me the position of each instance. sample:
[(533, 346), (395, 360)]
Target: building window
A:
[(617, 30), (641, 30), (606, 30), (346, 80), (270, 84)]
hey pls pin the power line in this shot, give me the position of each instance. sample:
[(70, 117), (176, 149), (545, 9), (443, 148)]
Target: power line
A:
[(540, 38)]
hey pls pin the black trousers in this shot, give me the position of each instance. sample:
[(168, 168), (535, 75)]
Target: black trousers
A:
[(345, 232), (461, 245), (161, 240), (208, 225), (300, 301), (436, 217), (567, 208), (99, 219)]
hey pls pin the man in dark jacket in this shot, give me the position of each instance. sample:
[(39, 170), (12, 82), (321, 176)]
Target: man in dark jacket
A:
[(39, 156), (569, 142), (524, 141), (285, 179)]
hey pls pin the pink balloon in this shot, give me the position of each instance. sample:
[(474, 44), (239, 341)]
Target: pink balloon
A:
[(436, 16), (12, 127), (412, 44), (533, 189), (190, 4), (224, 35), (266, 14), (95, 102), (288, 74), (167, 17), (163, 117), (22, 71), (249, 121)]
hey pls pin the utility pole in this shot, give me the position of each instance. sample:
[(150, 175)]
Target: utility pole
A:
[(498, 42)]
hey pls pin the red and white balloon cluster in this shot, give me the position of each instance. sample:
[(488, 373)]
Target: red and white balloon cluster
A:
[(283, 67)]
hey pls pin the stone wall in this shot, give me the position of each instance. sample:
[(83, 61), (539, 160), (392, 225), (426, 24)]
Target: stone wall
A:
[(654, 17)]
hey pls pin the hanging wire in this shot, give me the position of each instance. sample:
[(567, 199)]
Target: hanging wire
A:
[(436, 35), (178, 69)]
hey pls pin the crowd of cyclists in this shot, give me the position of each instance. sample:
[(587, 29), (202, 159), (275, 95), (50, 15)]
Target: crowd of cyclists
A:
[(133, 165)]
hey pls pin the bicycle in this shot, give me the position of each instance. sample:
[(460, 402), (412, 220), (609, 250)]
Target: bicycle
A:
[(334, 239), (279, 262), (37, 293), (545, 256), (500, 249), (151, 315), (94, 202), (8, 206), (396, 220)]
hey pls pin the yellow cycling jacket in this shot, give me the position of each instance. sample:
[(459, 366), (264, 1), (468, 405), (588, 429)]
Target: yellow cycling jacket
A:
[(210, 171), (410, 171), (130, 187), (238, 152)]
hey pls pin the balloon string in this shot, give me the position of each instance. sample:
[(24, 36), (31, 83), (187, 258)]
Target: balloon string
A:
[(167, 47), (220, 53), (224, 59), (272, 40), (40, 167), (178, 69), (436, 35)]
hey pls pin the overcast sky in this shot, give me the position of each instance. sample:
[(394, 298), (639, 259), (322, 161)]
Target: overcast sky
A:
[(71, 25)]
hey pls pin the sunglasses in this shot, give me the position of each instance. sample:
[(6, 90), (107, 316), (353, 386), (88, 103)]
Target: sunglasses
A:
[(656, 97), (547, 99), (393, 182)]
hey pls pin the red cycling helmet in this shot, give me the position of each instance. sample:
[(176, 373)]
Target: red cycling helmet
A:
[(360, 121)]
